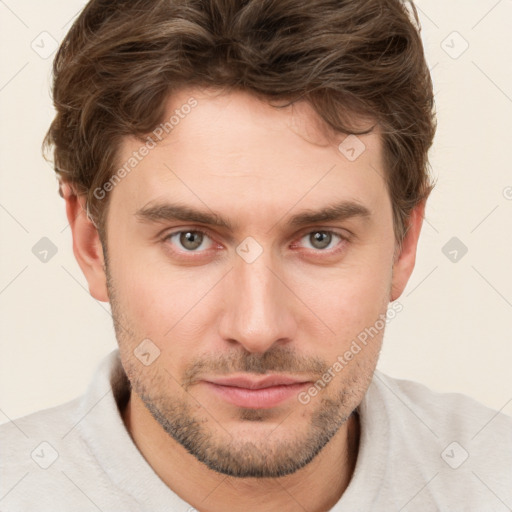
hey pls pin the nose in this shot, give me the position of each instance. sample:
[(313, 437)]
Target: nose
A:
[(259, 309)]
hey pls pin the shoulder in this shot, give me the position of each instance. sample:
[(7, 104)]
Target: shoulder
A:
[(38, 438), (457, 451), (32, 451), (44, 454), (59, 425), (22, 431), (445, 412)]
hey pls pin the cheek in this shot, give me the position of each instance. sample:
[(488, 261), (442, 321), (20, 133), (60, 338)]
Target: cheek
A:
[(349, 299), (168, 305), (142, 293), (163, 303)]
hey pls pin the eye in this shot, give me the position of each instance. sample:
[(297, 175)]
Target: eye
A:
[(322, 239), (190, 240)]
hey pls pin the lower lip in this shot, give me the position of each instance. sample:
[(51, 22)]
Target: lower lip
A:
[(257, 398)]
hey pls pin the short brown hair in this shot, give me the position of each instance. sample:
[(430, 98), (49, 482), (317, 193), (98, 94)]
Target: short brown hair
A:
[(122, 59)]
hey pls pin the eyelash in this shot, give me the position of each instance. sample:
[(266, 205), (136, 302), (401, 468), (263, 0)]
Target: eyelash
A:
[(194, 254)]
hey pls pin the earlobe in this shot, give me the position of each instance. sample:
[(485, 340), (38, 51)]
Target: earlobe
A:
[(87, 246), (404, 262)]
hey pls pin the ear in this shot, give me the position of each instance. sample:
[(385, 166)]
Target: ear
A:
[(87, 246), (405, 260)]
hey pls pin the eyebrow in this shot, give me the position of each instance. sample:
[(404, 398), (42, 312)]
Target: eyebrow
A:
[(168, 212)]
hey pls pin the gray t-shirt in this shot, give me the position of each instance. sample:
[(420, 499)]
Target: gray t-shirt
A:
[(419, 451)]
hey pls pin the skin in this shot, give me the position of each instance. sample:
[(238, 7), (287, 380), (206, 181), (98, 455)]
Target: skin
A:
[(210, 313)]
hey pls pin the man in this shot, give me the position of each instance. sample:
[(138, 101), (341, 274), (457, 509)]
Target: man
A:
[(246, 182)]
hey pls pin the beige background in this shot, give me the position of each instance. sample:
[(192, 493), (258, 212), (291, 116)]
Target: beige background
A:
[(454, 333)]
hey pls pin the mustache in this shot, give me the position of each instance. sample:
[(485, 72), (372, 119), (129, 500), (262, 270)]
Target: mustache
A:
[(278, 359)]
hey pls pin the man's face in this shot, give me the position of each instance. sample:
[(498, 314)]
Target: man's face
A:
[(258, 295)]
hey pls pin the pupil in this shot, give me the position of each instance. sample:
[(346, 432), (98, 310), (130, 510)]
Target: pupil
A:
[(191, 239), (321, 239)]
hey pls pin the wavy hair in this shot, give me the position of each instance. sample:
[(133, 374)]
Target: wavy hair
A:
[(122, 59)]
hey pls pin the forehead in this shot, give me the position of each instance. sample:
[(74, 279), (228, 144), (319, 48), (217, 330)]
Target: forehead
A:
[(234, 149)]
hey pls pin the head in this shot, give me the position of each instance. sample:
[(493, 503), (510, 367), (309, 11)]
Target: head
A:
[(254, 177)]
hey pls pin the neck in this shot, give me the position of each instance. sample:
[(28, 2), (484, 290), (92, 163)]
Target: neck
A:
[(317, 487)]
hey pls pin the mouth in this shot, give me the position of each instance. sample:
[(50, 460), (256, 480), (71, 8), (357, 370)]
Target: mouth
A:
[(261, 393)]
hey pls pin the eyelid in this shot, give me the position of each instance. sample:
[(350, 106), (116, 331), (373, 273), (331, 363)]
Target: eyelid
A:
[(344, 236), (169, 234)]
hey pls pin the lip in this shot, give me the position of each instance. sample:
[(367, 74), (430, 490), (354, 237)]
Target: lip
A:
[(262, 393)]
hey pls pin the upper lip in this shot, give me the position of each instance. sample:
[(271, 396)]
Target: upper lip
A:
[(261, 383)]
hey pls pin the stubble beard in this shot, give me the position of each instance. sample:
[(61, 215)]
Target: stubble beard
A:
[(209, 441)]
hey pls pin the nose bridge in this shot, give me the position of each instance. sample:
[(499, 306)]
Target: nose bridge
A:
[(259, 313)]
